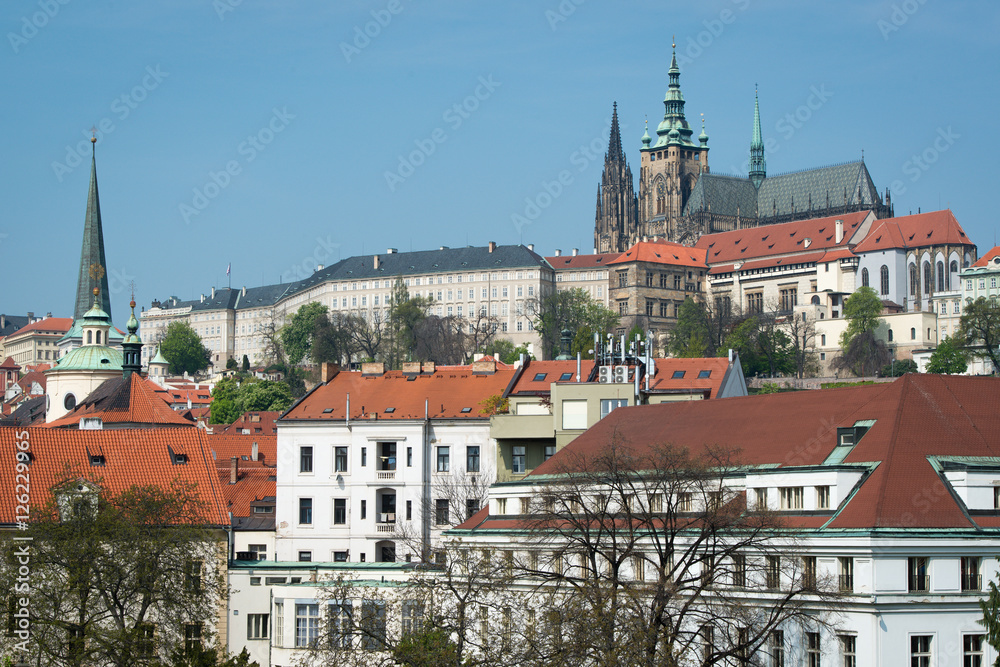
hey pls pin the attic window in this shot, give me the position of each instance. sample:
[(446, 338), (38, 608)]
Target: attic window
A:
[(704, 374), (678, 375), (97, 460), (390, 410), (180, 459), (327, 411), (539, 377), (565, 376), (466, 409)]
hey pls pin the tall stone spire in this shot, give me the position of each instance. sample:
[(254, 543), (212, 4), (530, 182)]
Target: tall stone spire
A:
[(93, 266), (617, 205), (758, 167)]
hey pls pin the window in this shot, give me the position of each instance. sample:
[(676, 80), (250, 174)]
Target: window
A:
[(791, 497), (340, 556), (364, 509), (257, 626), (340, 617), (340, 459), (441, 511), (809, 572), (918, 574), (409, 457), (279, 624), (822, 497), (848, 650), (864, 277), (707, 643), (549, 451), (373, 625), (622, 278), (971, 579), (609, 404), (920, 651), (685, 502), (192, 636), (306, 625), (259, 549), (192, 576), (472, 458), (649, 307), (412, 617), (972, 651), (790, 299), (443, 459), (305, 459), (339, 511), (755, 302), (760, 498), (884, 274), (364, 456), (702, 375), (812, 649), (845, 566), (471, 507), (305, 511), (772, 572), (305, 556), (776, 647), (145, 645), (517, 462), (739, 571)]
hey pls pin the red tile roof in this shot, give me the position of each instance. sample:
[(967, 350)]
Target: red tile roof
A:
[(253, 484), (985, 259), (9, 363), (226, 446), (450, 392), (257, 422), (663, 380), (29, 378), (807, 258), (133, 457), (916, 416), (131, 401), (581, 261), (49, 324), (663, 252), (914, 231), (787, 238)]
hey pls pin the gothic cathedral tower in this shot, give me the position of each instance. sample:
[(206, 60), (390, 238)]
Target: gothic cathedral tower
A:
[(616, 220), (671, 166)]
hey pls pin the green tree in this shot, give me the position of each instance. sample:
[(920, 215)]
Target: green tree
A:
[(948, 358), (331, 339), (571, 309), (895, 369), (864, 355), (690, 337), (863, 311), (224, 408), (979, 329), (297, 334), (231, 364), (232, 397), (198, 656), (246, 364), (991, 617), (106, 567), (182, 348), (431, 648)]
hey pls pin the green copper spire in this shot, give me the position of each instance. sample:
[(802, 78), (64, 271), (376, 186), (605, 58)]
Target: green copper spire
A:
[(93, 266), (703, 137), (758, 167), (645, 136), (132, 345), (673, 129)]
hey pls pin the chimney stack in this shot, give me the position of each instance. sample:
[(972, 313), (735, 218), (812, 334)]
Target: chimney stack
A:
[(328, 371), (531, 247), (234, 469), (391, 251), (558, 252), (840, 231), (493, 246), (254, 451), (576, 251), (213, 292)]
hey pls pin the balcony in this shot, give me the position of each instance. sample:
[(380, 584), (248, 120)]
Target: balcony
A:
[(386, 523), (522, 426), (972, 582), (385, 474)]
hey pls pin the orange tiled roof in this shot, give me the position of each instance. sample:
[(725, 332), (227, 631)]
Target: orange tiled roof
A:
[(581, 261), (132, 457), (450, 392), (663, 252), (129, 400), (226, 446), (539, 375), (257, 422), (787, 238), (985, 259), (914, 231), (252, 484), (49, 324), (9, 363)]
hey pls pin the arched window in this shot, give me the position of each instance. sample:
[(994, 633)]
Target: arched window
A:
[(98, 338), (864, 277), (940, 276), (890, 335), (815, 300), (928, 279), (953, 274), (913, 280), (90, 337), (884, 271), (913, 333)]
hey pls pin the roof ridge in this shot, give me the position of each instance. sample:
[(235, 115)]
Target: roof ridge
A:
[(821, 168)]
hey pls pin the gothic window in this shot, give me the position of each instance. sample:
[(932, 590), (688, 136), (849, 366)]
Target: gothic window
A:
[(864, 277), (954, 269), (885, 279), (928, 279), (914, 281), (940, 276)]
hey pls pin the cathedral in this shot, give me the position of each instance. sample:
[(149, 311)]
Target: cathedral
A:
[(679, 199)]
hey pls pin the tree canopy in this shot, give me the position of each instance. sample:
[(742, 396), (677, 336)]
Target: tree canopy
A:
[(570, 309), (297, 333), (949, 358), (979, 329), (690, 336), (182, 348), (863, 311), (232, 397)]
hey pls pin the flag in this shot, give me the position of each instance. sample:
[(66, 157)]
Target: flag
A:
[(228, 268)]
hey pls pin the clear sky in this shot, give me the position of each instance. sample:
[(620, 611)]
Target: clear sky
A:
[(277, 135)]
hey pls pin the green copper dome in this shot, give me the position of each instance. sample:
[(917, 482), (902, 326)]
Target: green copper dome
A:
[(91, 358), (158, 358), (132, 326), (645, 136)]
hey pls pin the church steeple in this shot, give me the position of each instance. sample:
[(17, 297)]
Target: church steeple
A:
[(758, 167), (674, 128), (617, 205), (93, 266), (132, 345)]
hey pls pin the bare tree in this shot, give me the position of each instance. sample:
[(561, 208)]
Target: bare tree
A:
[(802, 331), (368, 331), (270, 331)]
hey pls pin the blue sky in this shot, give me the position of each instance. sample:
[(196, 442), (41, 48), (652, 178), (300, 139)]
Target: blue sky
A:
[(281, 135)]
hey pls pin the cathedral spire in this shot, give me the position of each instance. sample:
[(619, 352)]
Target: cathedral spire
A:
[(615, 141), (674, 128), (617, 206), (93, 266), (758, 167)]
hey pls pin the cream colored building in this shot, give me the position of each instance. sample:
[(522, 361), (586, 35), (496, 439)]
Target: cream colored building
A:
[(38, 342)]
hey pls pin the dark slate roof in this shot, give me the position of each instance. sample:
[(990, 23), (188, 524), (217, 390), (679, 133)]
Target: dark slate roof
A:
[(262, 297), (783, 194), (30, 411), (12, 323)]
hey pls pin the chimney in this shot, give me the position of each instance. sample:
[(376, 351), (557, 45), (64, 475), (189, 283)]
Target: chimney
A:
[(493, 246), (3, 322), (319, 267), (840, 231), (244, 291), (254, 451), (213, 292), (328, 371), (373, 368), (48, 315), (31, 316), (203, 298), (484, 367), (375, 262), (558, 252), (391, 251), (531, 247), (576, 251), (411, 367), (427, 367), (234, 469)]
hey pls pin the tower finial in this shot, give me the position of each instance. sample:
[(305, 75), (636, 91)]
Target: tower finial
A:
[(673, 41)]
